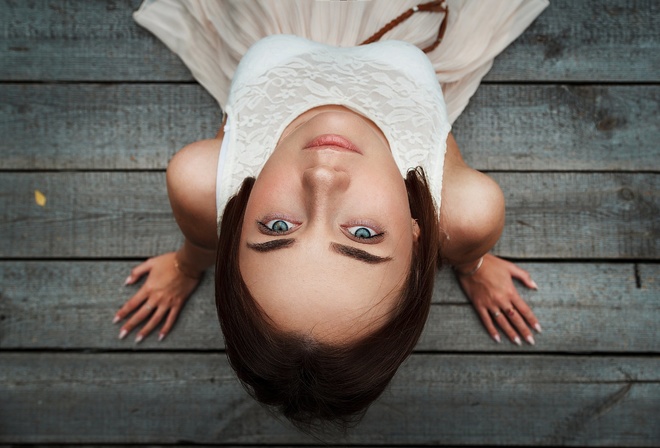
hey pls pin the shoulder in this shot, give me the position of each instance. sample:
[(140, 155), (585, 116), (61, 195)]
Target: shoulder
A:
[(191, 178), (472, 212), (195, 156)]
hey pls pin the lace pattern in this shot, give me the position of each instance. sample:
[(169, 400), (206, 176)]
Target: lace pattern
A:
[(379, 81)]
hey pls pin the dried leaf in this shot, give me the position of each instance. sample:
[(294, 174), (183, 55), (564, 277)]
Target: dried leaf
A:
[(40, 198)]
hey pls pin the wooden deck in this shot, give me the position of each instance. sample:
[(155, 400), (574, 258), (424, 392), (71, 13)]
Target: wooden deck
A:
[(91, 109)]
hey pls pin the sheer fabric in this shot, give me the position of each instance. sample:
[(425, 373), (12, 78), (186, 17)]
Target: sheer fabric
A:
[(211, 37), (392, 83)]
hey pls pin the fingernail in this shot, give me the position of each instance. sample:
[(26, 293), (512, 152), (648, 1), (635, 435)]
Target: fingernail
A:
[(160, 337), (517, 341), (127, 281), (530, 339), (122, 334), (537, 327), (497, 338), (116, 319), (534, 285), (139, 338)]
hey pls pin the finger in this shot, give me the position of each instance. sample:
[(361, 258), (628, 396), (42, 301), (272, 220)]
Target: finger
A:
[(518, 322), (503, 322), (488, 323), (524, 276), (131, 304), (137, 272), (527, 313), (171, 318), (135, 319), (153, 322)]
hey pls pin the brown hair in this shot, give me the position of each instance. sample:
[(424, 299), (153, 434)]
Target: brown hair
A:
[(311, 382)]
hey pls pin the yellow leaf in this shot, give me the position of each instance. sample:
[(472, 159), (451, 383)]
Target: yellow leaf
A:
[(40, 198)]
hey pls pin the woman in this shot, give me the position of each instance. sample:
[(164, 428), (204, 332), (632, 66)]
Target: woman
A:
[(325, 262)]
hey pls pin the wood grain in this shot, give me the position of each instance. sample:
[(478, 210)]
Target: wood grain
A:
[(571, 39), (505, 127), (613, 40), (583, 307), (124, 214), (102, 127), (439, 399), (565, 121)]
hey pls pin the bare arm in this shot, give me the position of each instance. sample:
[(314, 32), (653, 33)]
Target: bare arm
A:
[(472, 212), (471, 222), (191, 177), (173, 276)]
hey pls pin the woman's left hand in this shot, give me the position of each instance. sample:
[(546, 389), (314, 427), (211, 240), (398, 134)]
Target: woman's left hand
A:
[(495, 298)]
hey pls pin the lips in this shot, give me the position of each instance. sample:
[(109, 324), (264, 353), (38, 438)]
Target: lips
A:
[(334, 142)]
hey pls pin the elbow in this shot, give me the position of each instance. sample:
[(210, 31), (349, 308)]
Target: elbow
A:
[(493, 214), (482, 223)]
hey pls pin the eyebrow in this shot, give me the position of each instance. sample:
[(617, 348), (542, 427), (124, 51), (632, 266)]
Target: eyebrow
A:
[(347, 251), (358, 254), (272, 245)]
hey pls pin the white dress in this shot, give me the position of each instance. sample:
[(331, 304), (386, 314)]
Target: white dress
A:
[(273, 84), (392, 83), (212, 36)]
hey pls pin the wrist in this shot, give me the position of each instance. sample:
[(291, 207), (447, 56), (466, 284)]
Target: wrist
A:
[(468, 270), (185, 268)]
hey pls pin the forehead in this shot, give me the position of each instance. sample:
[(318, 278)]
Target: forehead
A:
[(310, 289)]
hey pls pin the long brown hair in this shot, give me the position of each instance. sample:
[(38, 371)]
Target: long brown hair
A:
[(308, 381)]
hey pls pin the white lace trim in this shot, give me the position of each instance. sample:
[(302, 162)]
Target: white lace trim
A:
[(374, 81)]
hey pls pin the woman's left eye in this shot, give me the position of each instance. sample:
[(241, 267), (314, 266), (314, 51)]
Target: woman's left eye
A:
[(363, 233), (276, 226)]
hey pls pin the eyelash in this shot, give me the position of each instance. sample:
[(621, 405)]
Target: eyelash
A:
[(263, 226), (376, 238)]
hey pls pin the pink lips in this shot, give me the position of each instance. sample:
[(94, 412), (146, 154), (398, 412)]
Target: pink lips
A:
[(333, 142)]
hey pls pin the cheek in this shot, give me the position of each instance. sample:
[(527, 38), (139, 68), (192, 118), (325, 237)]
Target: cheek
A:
[(388, 193), (273, 194)]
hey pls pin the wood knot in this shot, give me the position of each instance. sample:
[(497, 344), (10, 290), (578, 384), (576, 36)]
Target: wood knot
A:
[(626, 194), (607, 123)]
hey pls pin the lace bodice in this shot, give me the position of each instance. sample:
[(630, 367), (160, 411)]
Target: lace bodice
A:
[(392, 83)]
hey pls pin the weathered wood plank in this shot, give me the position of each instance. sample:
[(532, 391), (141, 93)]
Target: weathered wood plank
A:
[(100, 126), (68, 40), (613, 40), (582, 307), (576, 215), (440, 399), (561, 128), (110, 215), (570, 39), (86, 215), (505, 127)]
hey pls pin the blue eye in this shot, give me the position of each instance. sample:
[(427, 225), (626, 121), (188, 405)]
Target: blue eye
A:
[(277, 226), (363, 233)]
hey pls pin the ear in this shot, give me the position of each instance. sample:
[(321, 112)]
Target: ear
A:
[(416, 231)]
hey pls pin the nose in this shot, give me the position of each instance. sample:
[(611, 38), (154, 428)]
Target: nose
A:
[(323, 184)]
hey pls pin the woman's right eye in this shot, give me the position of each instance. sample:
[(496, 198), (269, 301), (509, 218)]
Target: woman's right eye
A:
[(276, 226)]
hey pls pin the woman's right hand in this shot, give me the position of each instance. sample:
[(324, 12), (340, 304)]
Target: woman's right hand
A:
[(161, 296)]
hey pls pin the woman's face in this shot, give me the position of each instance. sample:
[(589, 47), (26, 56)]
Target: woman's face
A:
[(327, 238)]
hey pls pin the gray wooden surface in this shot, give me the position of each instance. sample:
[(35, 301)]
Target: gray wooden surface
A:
[(92, 107), (549, 127), (68, 305), (127, 214), (502, 399), (611, 40)]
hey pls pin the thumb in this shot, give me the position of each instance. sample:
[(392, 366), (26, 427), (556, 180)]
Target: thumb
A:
[(523, 276), (137, 272)]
